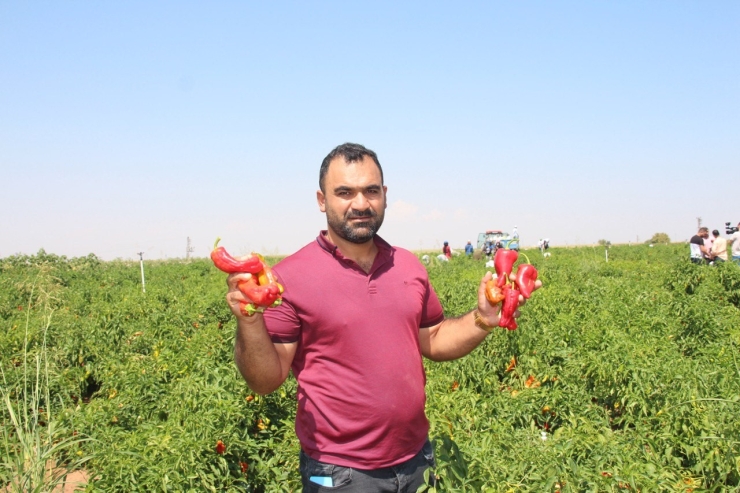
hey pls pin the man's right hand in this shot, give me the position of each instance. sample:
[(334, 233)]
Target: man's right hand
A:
[(235, 298)]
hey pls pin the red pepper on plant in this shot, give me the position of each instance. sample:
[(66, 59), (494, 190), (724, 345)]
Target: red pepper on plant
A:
[(220, 447)]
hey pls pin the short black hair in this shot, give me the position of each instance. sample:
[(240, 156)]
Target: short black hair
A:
[(715, 232), (351, 153)]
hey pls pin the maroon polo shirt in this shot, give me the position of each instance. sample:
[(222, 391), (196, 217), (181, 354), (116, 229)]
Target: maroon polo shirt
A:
[(358, 362)]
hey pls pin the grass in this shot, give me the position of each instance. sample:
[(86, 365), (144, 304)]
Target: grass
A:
[(38, 456)]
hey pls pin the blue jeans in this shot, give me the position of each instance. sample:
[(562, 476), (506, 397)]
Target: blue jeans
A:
[(406, 477)]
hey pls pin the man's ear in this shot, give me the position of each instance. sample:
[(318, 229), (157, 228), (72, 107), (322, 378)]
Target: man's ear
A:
[(321, 199), (385, 194)]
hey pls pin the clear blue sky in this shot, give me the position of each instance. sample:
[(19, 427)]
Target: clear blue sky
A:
[(130, 126)]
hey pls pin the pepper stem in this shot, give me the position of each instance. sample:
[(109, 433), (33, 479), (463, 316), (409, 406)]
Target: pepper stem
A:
[(216, 244), (525, 256)]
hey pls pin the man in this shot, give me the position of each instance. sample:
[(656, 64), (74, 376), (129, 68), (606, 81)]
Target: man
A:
[(696, 244), (719, 248), (708, 242), (735, 240), (468, 249), (356, 319)]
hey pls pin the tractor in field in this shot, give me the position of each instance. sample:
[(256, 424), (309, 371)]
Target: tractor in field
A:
[(493, 239)]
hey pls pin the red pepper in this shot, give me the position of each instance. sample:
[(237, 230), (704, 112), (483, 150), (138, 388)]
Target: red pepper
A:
[(494, 294), (503, 261), (225, 262), (262, 296), (526, 275), (511, 302), (262, 289)]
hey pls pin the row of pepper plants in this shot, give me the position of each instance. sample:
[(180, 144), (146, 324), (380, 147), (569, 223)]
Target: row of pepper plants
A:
[(623, 375)]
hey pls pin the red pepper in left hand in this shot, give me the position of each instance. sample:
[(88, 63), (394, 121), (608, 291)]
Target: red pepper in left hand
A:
[(503, 261), (494, 294), (526, 275), (509, 306)]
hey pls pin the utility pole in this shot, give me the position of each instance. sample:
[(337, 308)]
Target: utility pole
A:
[(141, 262), (698, 221), (188, 250)]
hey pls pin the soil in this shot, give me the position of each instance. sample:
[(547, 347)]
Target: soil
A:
[(76, 481)]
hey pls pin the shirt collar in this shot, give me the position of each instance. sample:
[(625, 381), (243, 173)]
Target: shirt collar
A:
[(384, 248)]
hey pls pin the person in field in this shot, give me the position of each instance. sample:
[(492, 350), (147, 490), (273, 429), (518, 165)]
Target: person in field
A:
[(719, 248), (447, 251), (697, 249), (469, 249), (357, 317), (708, 242), (734, 239)]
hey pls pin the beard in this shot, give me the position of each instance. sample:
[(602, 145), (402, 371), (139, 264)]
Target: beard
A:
[(355, 232)]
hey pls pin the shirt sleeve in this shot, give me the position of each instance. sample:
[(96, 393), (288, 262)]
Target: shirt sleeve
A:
[(282, 322), (432, 312)]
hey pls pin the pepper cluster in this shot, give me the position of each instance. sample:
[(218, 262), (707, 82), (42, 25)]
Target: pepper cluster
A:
[(262, 289), (507, 288)]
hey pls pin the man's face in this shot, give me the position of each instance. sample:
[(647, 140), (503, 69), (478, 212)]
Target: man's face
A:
[(354, 199), (704, 234)]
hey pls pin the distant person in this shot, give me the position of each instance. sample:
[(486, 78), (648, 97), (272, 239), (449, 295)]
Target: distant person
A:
[(488, 248), (469, 249), (696, 244), (735, 240), (719, 248), (515, 234), (447, 251), (543, 245), (708, 242)]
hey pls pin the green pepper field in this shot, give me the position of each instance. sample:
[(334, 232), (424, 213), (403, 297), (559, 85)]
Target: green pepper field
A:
[(623, 376)]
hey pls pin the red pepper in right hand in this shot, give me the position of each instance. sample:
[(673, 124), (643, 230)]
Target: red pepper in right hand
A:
[(260, 296), (226, 263), (262, 289)]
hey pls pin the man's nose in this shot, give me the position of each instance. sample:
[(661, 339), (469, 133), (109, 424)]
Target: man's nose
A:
[(360, 202)]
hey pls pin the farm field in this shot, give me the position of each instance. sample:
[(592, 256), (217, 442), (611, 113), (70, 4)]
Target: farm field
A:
[(623, 376)]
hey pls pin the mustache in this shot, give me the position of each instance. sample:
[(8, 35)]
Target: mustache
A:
[(356, 214)]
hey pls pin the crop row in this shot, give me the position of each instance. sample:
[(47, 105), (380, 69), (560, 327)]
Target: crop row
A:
[(623, 375)]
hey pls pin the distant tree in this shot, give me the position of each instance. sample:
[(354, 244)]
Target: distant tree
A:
[(658, 239), (605, 243)]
